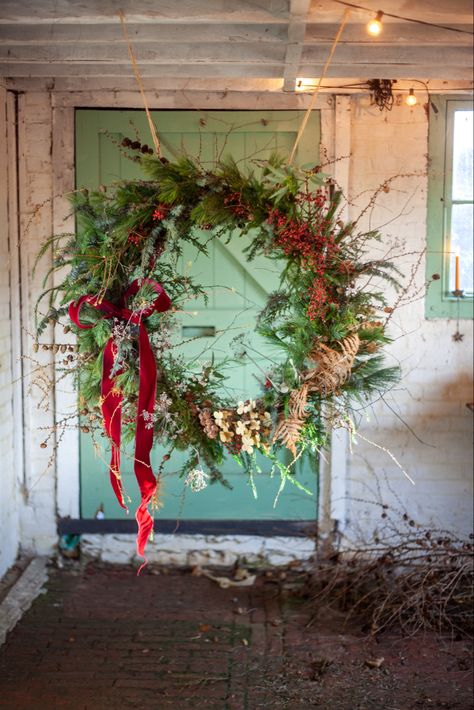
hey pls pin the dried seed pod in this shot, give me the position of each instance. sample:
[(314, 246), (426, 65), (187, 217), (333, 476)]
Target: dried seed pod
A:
[(63, 348), (66, 329), (35, 347)]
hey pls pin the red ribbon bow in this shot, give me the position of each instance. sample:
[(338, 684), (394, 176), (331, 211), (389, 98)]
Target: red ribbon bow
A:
[(111, 399)]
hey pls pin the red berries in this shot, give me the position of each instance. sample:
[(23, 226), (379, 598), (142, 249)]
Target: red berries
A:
[(160, 212)]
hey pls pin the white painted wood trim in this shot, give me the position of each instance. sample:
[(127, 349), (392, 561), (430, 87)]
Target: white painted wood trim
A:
[(67, 455), (15, 293), (339, 442), (187, 99), (64, 104)]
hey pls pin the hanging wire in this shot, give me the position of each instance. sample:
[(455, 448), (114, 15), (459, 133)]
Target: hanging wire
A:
[(381, 93), (320, 80)]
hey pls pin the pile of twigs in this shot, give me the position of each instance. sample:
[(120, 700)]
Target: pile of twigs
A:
[(409, 576)]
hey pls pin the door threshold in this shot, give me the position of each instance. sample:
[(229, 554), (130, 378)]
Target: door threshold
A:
[(263, 528)]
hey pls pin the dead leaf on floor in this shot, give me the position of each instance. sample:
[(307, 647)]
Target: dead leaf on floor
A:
[(225, 582), (242, 578), (204, 628), (374, 662)]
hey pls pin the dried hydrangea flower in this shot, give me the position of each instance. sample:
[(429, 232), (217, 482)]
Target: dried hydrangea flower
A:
[(196, 480)]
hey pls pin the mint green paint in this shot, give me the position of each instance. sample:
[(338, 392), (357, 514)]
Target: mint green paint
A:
[(239, 290), (439, 301)]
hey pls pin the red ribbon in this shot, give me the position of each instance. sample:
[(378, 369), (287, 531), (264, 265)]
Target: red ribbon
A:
[(111, 399)]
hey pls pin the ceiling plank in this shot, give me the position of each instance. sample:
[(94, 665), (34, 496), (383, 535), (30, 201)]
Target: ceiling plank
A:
[(233, 69), (393, 33), (376, 54), (151, 31), (214, 11), (24, 34), (296, 32), (243, 53), (146, 53)]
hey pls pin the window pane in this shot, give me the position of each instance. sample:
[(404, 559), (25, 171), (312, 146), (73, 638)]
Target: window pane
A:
[(462, 155), (461, 243)]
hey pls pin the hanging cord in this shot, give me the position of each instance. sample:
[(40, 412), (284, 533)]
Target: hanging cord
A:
[(133, 61), (318, 86)]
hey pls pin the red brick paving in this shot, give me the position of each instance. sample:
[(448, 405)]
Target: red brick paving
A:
[(103, 638)]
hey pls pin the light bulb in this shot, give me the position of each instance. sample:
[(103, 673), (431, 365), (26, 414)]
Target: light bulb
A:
[(411, 99), (374, 27)]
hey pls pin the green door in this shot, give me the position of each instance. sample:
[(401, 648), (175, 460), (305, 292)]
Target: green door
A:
[(237, 291)]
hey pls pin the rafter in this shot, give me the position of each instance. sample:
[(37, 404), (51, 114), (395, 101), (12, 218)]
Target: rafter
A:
[(299, 10)]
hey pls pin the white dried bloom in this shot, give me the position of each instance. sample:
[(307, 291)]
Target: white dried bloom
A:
[(196, 480)]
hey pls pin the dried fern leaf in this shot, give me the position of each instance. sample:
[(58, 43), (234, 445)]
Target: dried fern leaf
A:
[(288, 432), (334, 367)]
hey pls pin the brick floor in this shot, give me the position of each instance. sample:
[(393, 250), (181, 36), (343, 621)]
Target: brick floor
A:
[(102, 638)]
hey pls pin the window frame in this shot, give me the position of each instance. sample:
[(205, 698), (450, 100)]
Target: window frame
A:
[(440, 303)]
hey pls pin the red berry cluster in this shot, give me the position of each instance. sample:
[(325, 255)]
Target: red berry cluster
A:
[(160, 212), (135, 238), (234, 202), (309, 239), (318, 300)]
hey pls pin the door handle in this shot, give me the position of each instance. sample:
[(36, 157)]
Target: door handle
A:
[(198, 331)]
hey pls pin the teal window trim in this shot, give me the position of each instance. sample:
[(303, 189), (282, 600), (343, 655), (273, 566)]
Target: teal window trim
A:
[(440, 303)]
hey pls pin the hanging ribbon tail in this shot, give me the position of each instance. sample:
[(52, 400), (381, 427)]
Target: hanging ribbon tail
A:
[(111, 404), (112, 398), (144, 441)]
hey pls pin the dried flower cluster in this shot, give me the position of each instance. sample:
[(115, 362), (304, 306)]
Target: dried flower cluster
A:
[(245, 428)]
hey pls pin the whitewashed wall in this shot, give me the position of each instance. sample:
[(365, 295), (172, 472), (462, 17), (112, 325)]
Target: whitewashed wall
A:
[(437, 372), (9, 494)]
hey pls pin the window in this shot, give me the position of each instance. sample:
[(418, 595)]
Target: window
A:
[(450, 208)]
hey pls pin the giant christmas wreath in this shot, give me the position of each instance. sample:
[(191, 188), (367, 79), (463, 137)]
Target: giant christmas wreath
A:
[(122, 290)]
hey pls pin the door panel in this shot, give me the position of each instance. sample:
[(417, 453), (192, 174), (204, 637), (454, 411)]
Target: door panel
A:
[(237, 291)]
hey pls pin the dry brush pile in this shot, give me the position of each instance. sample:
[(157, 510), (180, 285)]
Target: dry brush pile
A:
[(409, 577)]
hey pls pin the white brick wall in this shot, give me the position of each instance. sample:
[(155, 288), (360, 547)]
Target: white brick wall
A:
[(9, 520), (437, 372), (431, 398), (38, 523)]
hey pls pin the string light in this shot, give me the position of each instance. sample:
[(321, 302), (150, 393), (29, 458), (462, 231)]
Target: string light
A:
[(374, 27), (411, 99), (406, 19)]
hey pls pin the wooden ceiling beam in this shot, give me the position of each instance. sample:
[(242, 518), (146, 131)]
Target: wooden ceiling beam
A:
[(296, 33), (233, 69), (240, 53), (183, 89)]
